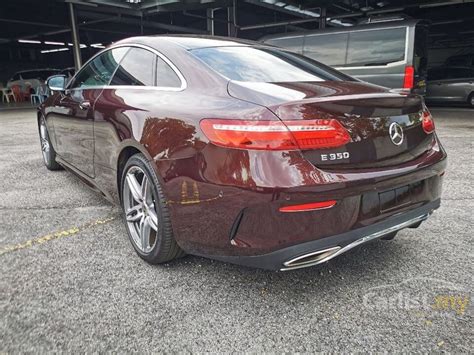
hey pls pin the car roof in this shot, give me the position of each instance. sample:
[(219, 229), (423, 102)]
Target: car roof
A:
[(189, 42), (378, 25)]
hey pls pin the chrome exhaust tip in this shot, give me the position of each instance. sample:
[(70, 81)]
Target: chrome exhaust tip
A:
[(321, 256), (310, 259)]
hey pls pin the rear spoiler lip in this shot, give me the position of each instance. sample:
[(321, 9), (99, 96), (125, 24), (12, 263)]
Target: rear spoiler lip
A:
[(349, 97), (272, 96)]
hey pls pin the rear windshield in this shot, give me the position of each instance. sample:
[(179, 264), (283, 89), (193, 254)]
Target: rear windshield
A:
[(378, 47), (264, 64)]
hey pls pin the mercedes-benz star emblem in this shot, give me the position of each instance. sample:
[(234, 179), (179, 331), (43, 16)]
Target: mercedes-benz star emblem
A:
[(396, 133)]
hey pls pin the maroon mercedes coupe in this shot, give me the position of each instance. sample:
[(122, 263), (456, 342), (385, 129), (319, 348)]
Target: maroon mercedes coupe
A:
[(242, 152)]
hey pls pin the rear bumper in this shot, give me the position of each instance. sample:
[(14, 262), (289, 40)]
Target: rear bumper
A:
[(230, 211), (322, 250)]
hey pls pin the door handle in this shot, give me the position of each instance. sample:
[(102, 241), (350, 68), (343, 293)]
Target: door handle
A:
[(84, 105)]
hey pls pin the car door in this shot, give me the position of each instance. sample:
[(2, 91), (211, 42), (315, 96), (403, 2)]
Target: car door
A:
[(436, 83), (73, 117), (123, 103), (142, 92), (456, 87)]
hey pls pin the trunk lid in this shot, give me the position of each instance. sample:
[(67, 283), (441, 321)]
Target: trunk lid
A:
[(372, 115)]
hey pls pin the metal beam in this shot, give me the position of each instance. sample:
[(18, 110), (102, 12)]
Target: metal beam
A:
[(112, 10), (174, 6), (322, 22), (413, 4), (113, 3), (149, 24), (76, 44), (276, 24), (157, 4), (22, 22), (232, 20), (65, 30), (210, 21), (277, 8)]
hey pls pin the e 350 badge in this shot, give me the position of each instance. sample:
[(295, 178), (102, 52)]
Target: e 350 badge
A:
[(335, 156)]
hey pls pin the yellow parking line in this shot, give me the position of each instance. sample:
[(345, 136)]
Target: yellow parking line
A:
[(52, 236)]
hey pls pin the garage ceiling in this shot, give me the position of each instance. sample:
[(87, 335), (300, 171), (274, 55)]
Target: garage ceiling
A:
[(104, 21)]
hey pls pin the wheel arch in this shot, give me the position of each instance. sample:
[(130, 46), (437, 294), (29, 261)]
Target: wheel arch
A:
[(126, 150), (469, 98)]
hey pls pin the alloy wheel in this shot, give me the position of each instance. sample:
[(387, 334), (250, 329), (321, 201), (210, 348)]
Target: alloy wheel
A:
[(44, 139), (139, 204)]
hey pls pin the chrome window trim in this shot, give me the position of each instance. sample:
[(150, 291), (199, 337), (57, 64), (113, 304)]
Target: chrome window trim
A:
[(183, 81)]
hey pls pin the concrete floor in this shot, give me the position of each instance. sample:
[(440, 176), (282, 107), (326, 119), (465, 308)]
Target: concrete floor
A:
[(70, 280)]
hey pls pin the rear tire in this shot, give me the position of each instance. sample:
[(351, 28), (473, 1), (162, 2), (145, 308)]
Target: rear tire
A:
[(146, 213), (47, 149), (470, 100), (389, 236)]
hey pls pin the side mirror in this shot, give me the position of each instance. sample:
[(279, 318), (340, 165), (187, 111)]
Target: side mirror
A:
[(56, 82)]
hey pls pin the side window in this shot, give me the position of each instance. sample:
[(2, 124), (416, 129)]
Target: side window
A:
[(436, 74), (99, 71), (294, 44), (459, 73), (376, 47), (137, 68), (165, 76), (327, 49)]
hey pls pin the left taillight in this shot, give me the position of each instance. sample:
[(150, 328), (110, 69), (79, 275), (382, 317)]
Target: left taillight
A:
[(427, 122), (275, 135)]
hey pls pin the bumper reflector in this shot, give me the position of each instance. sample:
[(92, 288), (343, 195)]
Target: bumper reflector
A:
[(309, 206)]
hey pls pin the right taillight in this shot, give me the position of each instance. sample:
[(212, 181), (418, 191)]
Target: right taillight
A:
[(275, 135), (427, 122), (409, 78)]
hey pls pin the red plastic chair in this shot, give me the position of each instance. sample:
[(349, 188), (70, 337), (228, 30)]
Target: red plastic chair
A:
[(27, 93), (17, 93)]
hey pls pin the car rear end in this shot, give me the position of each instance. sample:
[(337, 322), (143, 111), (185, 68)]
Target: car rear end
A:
[(334, 164)]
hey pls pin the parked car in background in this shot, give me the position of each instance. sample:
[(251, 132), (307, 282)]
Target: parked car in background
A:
[(464, 60), (32, 78), (391, 54), (242, 152), (451, 85)]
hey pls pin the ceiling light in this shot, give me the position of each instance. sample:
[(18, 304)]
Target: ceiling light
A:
[(29, 41), (82, 45), (97, 45), (54, 50), (54, 43)]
